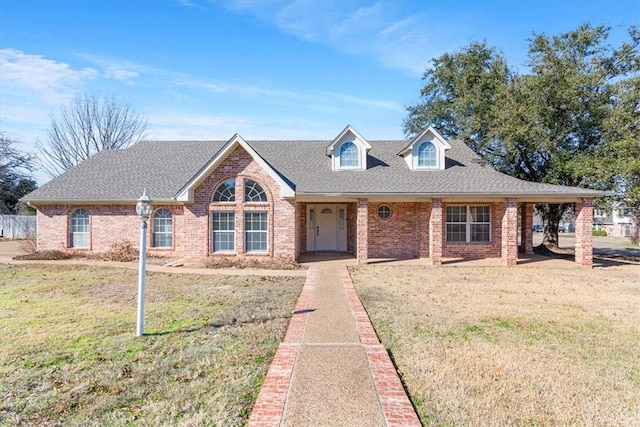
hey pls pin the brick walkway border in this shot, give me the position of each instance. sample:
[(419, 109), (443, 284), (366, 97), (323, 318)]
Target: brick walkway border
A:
[(269, 407), (396, 406)]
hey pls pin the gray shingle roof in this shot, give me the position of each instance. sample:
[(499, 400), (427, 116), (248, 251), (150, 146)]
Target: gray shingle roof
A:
[(164, 167)]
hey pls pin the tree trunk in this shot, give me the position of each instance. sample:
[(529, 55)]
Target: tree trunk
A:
[(551, 216)]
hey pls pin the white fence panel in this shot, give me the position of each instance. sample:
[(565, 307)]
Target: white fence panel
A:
[(17, 226)]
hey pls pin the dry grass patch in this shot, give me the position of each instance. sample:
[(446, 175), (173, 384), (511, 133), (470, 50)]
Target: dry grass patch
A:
[(69, 355), (511, 346)]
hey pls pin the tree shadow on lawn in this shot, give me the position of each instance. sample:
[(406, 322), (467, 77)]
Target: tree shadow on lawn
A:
[(602, 258)]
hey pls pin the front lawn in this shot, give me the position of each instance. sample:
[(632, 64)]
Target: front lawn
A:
[(511, 346), (69, 354)]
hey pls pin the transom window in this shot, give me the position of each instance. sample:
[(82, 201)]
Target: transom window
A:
[(468, 224), (253, 192), (223, 236), (255, 231), (427, 157), (349, 156), (79, 229), (226, 192), (162, 229)]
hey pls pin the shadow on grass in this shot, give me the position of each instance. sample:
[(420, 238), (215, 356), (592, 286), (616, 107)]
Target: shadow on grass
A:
[(218, 324), (601, 259)]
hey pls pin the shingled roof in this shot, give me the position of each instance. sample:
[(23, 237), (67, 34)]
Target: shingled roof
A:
[(165, 167)]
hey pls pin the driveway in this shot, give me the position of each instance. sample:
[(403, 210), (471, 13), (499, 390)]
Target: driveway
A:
[(618, 247)]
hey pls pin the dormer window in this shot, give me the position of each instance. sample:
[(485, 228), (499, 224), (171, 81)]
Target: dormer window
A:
[(427, 157), (426, 151), (348, 151), (349, 156)]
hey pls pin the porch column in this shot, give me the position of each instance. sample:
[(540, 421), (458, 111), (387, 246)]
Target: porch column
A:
[(510, 233), (435, 232), (526, 229), (363, 231), (584, 232), (424, 213)]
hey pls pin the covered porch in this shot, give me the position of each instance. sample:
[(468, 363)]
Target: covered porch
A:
[(375, 229)]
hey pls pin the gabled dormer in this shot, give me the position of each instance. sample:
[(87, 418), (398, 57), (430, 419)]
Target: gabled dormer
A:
[(426, 151), (348, 151)]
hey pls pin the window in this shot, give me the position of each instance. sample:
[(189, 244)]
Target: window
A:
[(223, 236), (255, 231), (384, 212), (427, 155), (226, 192), (79, 229), (468, 224), (349, 156), (162, 229), (253, 192)]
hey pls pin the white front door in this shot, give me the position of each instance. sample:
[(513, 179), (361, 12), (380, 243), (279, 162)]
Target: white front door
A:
[(327, 228)]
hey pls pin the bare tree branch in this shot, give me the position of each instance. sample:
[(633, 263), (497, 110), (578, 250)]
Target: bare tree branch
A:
[(88, 125)]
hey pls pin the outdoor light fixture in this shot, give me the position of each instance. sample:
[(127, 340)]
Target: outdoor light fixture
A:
[(144, 207)]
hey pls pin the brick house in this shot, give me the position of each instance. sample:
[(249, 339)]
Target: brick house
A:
[(427, 197)]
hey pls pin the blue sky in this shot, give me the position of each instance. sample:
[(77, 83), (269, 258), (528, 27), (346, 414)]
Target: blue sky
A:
[(272, 69)]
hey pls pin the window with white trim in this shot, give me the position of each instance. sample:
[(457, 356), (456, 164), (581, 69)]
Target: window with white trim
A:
[(349, 155), (79, 229), (427, 155), (162, 229), (255, 231), (223, 235), (253, 192), (468, 224), (226, 192)]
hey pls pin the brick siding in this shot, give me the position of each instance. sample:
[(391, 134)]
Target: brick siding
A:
[(191, 223)]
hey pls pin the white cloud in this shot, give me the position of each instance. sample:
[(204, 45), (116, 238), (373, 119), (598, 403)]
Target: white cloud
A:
[(116, 72), (382, 30), (33, 75)]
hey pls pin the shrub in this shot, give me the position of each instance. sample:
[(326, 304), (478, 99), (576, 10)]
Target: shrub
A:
[(120, 251), (599, 233)]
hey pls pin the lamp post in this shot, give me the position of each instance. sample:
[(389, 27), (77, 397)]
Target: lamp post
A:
[(144, 207)]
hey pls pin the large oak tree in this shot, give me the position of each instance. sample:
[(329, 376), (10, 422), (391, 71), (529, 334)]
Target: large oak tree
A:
[(551, 124)]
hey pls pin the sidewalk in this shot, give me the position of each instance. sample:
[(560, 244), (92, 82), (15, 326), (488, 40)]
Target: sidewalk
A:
[(331, 370)]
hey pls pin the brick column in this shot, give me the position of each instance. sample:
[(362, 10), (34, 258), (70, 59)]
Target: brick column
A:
[(584, 233), (510, 233), (435, 232), (363, 231), (526, 229), (424, 213)]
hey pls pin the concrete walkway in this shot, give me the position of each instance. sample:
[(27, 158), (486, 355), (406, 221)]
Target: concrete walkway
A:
[(331, 370)]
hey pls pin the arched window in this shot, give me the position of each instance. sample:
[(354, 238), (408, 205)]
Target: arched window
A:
[(79, 229), (349, 156), (253, 192), (162, 229), (427, 155), (226, 192)]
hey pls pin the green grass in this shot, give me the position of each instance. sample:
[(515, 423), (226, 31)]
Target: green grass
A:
[(69, 353)]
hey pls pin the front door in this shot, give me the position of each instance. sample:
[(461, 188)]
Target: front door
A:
[(326, 228)]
